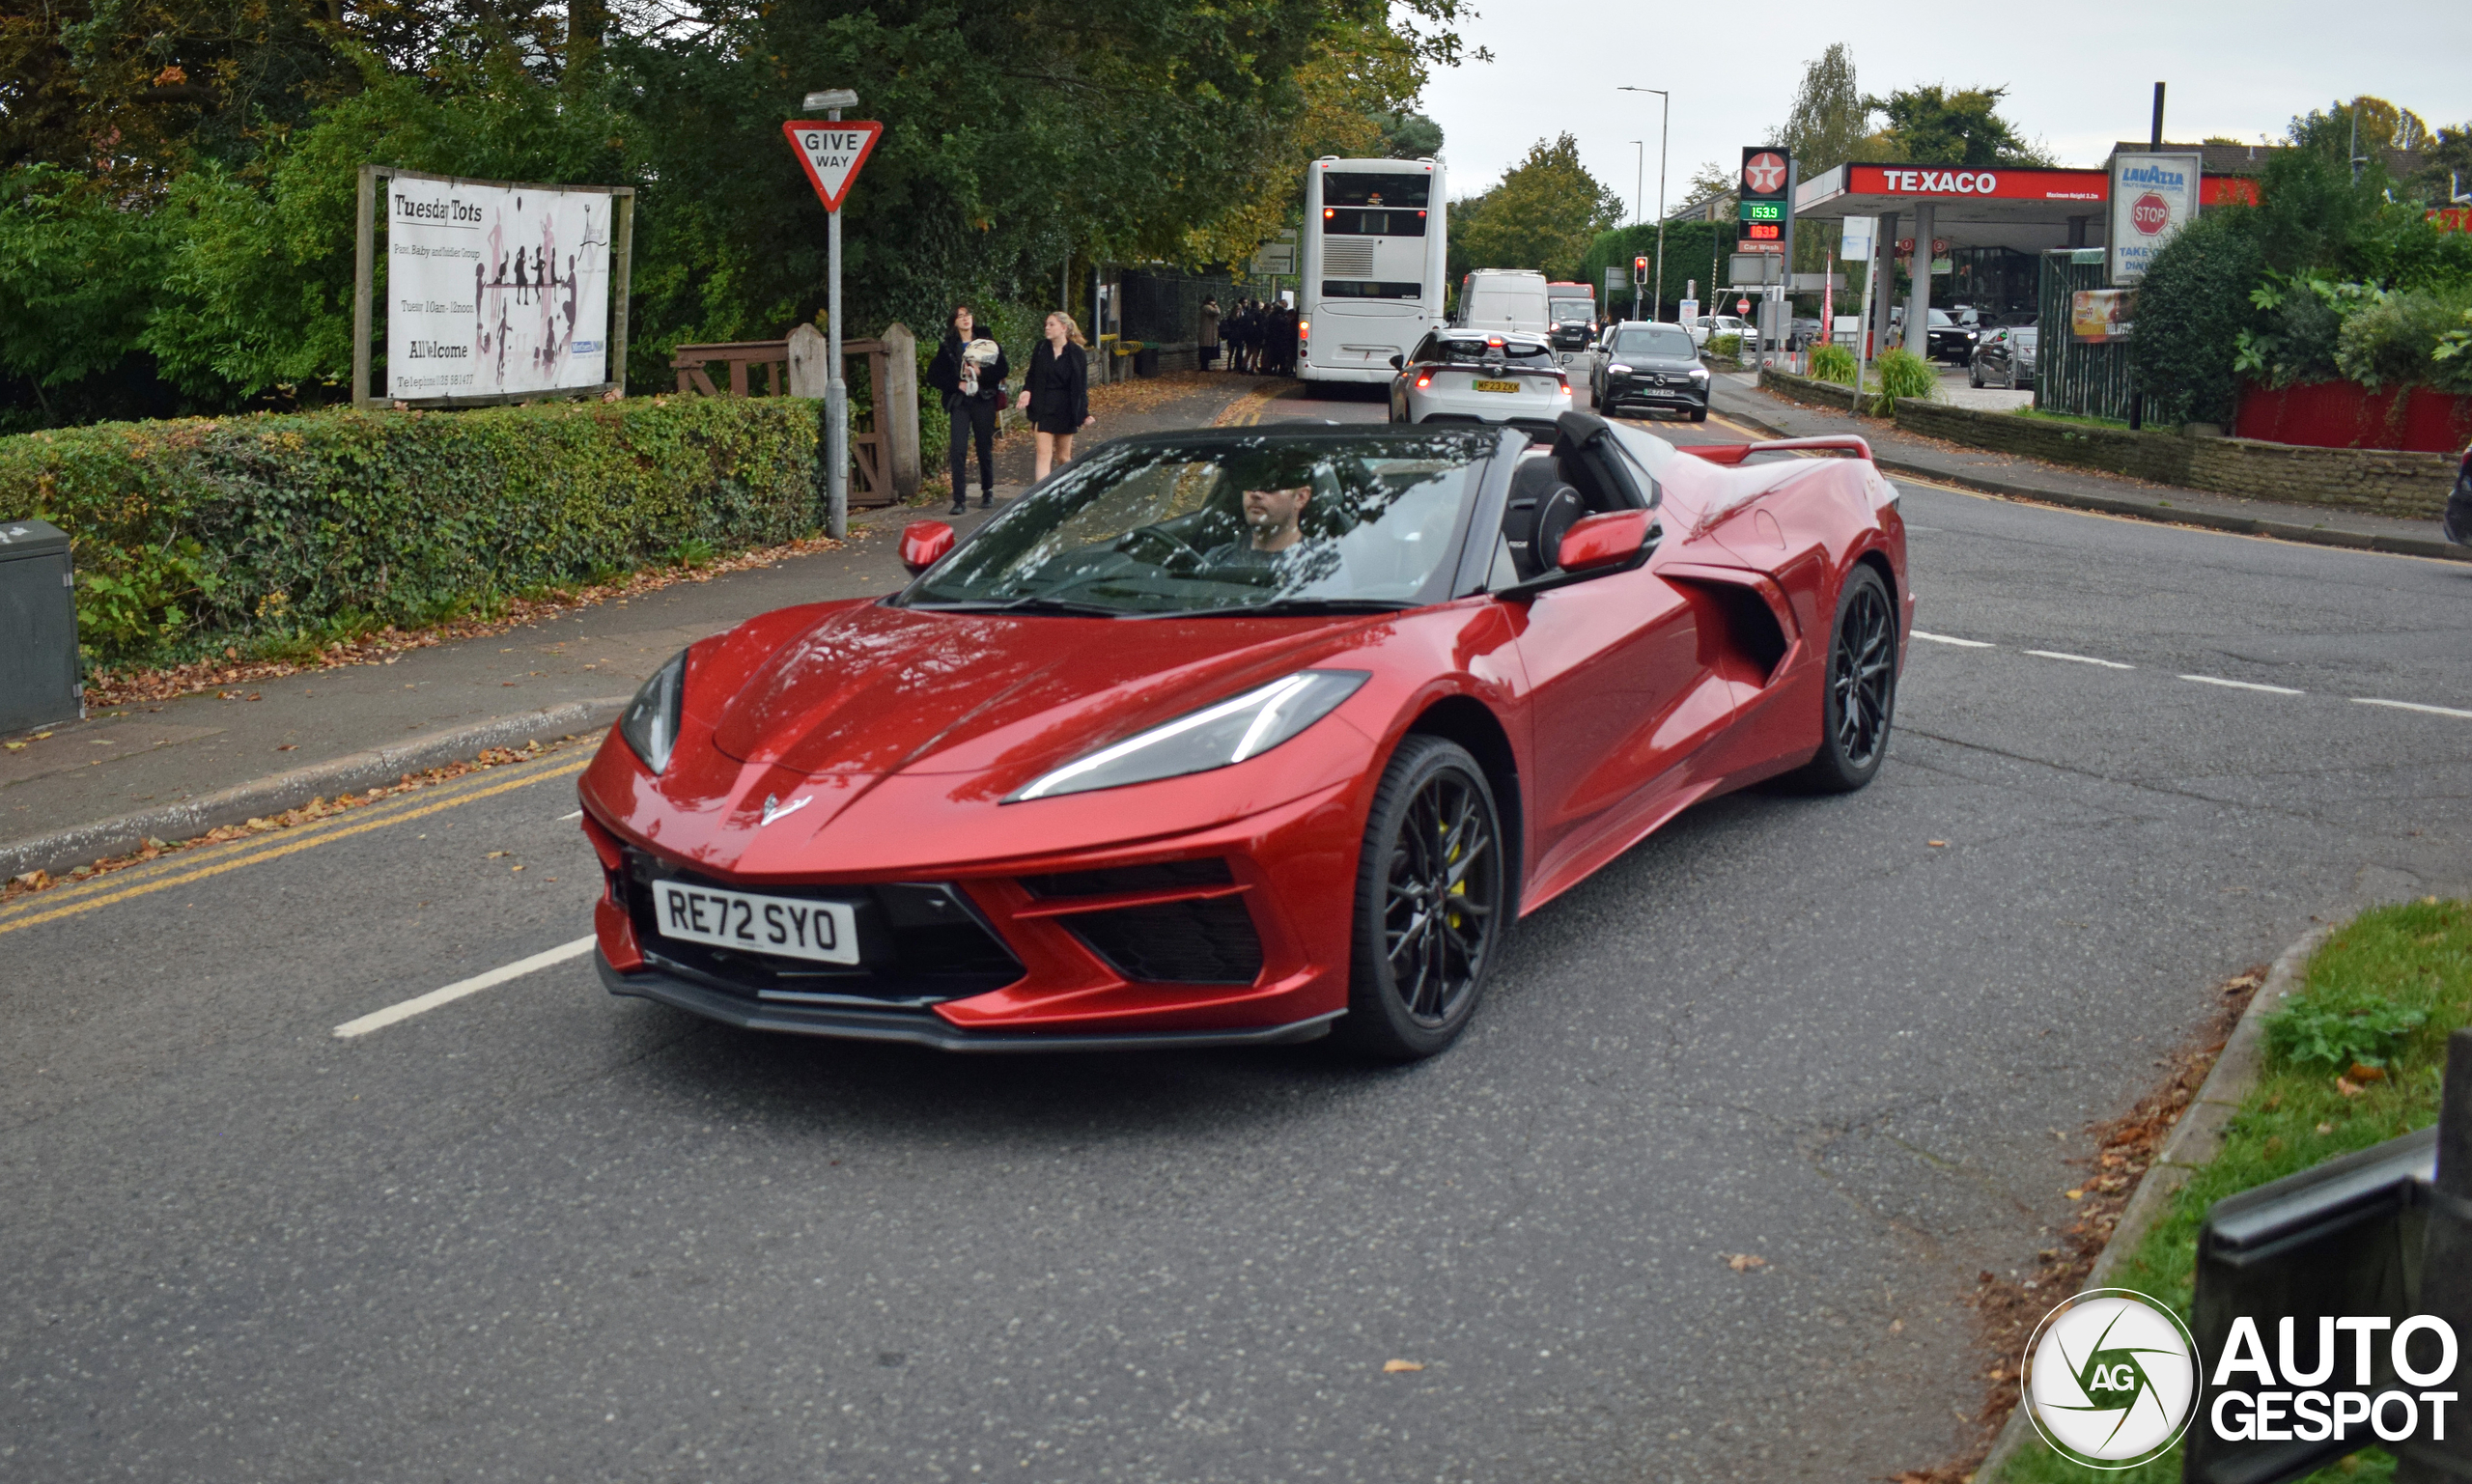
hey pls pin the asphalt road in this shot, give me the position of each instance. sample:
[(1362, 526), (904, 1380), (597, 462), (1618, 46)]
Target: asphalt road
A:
[(537, 1233)]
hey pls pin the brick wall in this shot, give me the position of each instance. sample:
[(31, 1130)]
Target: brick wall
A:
[(1813, 392), (2390, 482)]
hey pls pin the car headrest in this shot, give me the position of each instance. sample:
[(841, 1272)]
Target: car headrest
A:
[(1537, 516)]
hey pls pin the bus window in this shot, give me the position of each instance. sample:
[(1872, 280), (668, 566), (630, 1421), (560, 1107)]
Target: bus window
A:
[(1342, 188)]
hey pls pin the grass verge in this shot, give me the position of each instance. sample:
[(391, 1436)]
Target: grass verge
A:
[(2357, 1006)]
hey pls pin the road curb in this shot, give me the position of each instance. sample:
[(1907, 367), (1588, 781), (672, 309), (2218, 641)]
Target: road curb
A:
[(2195, 1139), (79, 845), (2156, 511)]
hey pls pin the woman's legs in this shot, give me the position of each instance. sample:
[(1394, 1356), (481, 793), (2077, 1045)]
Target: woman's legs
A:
[(1045, 459), (1063, 448), (959, 430)]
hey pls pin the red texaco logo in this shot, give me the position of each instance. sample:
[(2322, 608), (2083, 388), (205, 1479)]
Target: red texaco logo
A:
[(1764, 173)]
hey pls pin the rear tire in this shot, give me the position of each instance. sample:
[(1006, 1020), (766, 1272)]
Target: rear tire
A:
[(1429, 904), (1973, 377), (1859, 699)]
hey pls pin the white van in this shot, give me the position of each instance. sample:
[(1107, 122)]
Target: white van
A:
[(1504, 299)]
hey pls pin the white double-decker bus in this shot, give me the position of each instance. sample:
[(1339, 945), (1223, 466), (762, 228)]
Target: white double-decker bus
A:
[(1376, 238)]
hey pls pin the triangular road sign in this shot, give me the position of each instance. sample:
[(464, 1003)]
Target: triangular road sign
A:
[(831, 152)]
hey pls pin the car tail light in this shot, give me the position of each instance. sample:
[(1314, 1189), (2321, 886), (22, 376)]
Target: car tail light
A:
[(1567, 386), (1303, 328)]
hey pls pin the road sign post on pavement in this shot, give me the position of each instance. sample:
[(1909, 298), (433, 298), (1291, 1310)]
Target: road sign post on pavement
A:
[(831, 151)]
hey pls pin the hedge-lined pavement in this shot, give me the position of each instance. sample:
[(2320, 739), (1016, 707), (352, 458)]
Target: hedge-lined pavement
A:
[(179, 750), (1736, 396)]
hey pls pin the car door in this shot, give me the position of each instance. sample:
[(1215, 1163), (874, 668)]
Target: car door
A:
[(1622, 694)]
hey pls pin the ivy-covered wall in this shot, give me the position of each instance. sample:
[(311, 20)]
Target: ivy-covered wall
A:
[(198, 533)]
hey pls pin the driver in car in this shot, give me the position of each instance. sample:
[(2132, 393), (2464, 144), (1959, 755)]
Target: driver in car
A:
[(1270, 530)]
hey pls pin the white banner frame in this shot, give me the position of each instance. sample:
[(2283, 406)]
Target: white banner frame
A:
[(365, 291), (2120, 231)]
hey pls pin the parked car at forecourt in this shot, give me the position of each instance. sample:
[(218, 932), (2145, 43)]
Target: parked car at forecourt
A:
[(2004, 356), (1239, 735), (1646, 367), (1472, 377)]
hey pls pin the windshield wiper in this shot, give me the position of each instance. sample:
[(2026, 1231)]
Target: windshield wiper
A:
[(1034, 604), (1310, 605)]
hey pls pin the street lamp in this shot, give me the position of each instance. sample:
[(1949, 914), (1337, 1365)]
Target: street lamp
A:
[(1665, 117)]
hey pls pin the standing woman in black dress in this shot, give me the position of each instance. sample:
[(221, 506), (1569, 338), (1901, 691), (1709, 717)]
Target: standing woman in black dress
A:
[(1057, 392)]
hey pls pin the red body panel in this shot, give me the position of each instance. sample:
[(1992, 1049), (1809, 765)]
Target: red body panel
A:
[(882, 743)]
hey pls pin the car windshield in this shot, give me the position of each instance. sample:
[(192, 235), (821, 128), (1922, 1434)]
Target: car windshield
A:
[(1649, 344), (1366, 521), (1472, 352), (1940, 320), (1573, 311)]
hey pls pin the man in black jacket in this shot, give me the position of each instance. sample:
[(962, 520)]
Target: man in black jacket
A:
[(971, 372)]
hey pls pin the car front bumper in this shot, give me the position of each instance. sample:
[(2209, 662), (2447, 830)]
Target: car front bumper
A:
[(1236, 934), (1687, 396)]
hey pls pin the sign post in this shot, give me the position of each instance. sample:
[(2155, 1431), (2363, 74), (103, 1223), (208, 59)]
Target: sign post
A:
[(1764, 204), (1855, 245), (831, 152)]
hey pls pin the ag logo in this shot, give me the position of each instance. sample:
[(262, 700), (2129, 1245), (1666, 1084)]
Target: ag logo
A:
[(2111, 1378)]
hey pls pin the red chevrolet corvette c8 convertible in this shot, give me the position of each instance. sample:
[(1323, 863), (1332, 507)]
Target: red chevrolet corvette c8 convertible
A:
[(1240, 737)]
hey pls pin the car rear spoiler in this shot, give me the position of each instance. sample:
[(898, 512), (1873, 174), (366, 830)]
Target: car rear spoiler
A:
[(1737, 453)]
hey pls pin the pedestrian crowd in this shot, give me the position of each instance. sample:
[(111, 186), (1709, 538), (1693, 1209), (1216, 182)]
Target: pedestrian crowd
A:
[(1257, 338)]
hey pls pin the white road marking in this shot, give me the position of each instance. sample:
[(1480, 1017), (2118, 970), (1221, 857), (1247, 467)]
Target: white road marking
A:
[(563, 818), (2434, 711), (2054, 654), (1942, 639), (2243, 684), (419, 1003)]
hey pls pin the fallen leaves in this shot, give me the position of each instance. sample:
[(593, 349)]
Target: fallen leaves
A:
[(314, 810), (1394, 1367), (1743, 1262), (1938, 845), (2349, 1088)]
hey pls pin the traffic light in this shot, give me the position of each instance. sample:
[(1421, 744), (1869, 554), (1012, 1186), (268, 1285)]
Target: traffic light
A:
[(1640, 269)]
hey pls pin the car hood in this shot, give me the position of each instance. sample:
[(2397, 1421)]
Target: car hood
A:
[(871, 690)]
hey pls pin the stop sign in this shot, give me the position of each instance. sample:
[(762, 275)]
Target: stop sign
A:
[(2149, 214)]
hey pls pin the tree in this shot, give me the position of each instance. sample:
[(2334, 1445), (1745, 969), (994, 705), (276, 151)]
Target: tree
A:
[(1830, 120), (1931, 125), (2446, 165), (1543, 215)]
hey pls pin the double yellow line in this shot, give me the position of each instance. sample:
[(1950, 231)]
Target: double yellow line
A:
[(231, 855)]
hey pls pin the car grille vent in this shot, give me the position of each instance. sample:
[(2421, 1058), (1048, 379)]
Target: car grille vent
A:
[(1209, 941), (1113, 880), (1347, 258)]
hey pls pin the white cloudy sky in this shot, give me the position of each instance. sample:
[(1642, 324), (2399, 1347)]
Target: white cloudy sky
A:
[(2233, 69)]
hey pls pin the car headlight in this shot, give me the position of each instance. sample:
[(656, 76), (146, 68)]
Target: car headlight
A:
[(1235, 729), (1699, 373), (1617, 368), (650, 722)]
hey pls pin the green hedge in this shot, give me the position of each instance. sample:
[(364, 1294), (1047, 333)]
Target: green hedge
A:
[(265, 530)]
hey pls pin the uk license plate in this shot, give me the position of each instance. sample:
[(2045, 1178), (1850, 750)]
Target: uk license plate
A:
[(1496, 386), (824, 932)]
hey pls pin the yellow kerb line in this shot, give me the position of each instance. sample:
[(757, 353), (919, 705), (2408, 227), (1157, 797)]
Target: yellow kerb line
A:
[(286, 847)]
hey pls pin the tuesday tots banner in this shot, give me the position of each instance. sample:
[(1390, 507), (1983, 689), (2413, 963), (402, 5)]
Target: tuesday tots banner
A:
[(495, 288)]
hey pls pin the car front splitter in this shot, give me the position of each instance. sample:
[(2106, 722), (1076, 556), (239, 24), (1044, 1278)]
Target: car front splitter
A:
[(926, 1029)]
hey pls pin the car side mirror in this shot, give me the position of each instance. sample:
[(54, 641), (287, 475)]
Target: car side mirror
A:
[(925, 542), (1606, 541), (1595, 547), (1398, 362)]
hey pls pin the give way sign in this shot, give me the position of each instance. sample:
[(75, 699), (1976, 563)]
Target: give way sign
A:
[(831, 154)]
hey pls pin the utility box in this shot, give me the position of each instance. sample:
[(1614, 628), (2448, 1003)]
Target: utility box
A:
[(37, 627)]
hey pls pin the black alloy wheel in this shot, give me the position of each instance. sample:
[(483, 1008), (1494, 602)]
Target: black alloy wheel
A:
[(1861, 698), (1429, 903)]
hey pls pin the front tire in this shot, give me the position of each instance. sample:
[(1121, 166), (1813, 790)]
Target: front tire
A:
[(1699, 414), (1430, 890), (1859, 697)]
